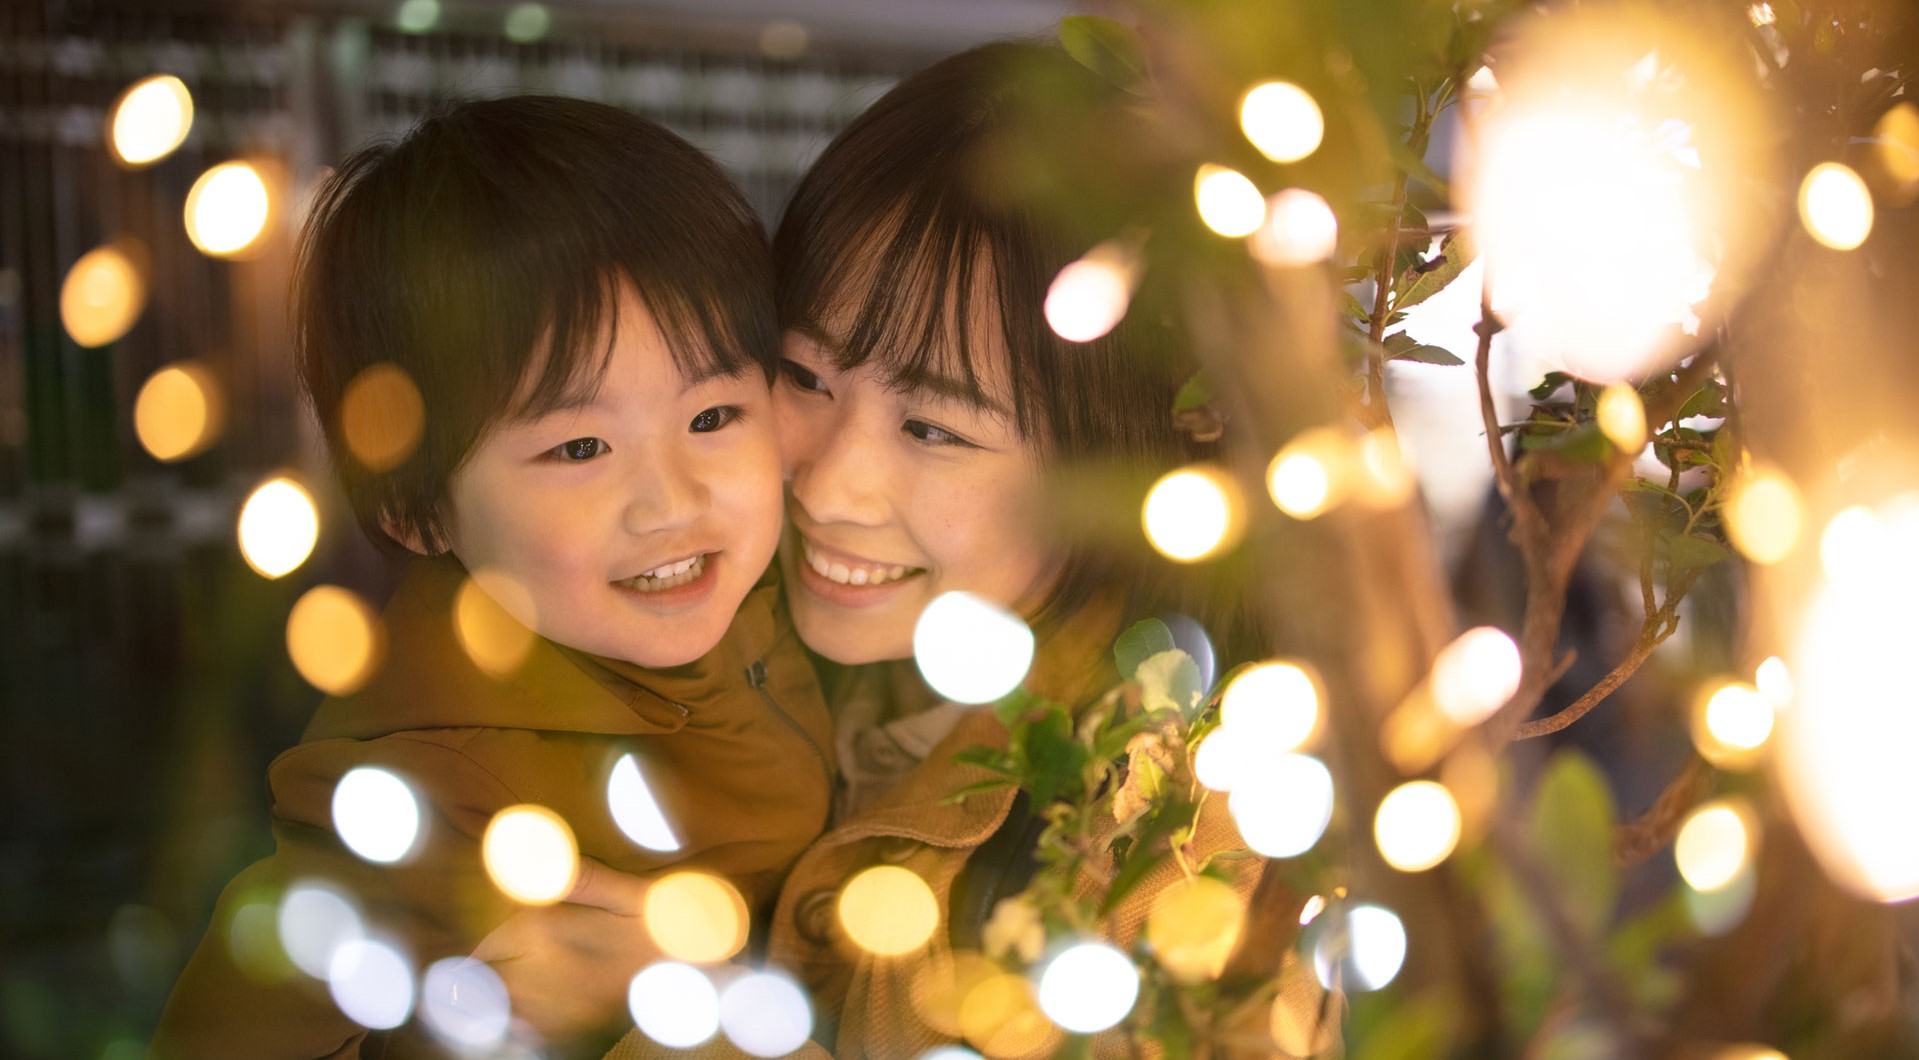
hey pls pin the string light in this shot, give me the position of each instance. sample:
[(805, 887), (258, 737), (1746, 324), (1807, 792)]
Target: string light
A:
[(178, 412), (674, 1004), (315, 921), (375, 814), (227, 209), (1282, 809), (334, 639), (695, 917), (149, 120), (417, 16), (1191, 514), (888, 910), (1835, 206), (1364, 951), (1622, 417), (530, 854), (635, 811), (1281, 119), (1475, 675), (1089, 297), (765, 1014), (1417, 826), (1229, 204), (1732, 725), (527, 23), (486, 620), (464, 1002), (278, 527), (382, 417), (1300, 229), (372, 983), (1193, 926), (1762, 515), (1273, 706), (1713, 845), (102, 295), (1088, 987), (971, 650)]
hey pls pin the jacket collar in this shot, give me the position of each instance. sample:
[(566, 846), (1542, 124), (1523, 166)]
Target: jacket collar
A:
[(427, 680)]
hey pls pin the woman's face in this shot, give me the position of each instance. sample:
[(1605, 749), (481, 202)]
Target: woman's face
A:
[(896, 496)]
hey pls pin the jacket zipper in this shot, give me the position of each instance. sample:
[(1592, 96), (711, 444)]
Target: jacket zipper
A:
[(756, 676)]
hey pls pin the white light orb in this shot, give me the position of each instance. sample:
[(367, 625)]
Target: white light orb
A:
[(1089, 297), (1417, 825), (372, 984), (278, 527), (1228, 202), (1836, 206), (635, 810), (674, 1004), (150, 120), (315, 921), (1300, 229), (1475, 675), (227, 209), (1713, 846), (1190, 514), (1282, 808), (971, 650), (1281, 119), (530, 854), (1274, 705), (375, 814), (1366, 955), (464, 1002), (765, 1014), (1089, 987)]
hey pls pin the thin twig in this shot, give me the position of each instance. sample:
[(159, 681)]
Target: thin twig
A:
[(1642, 649), (1638, 839)]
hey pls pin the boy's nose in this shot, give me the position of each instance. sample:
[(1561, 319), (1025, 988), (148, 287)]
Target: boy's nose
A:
[(664, 495)]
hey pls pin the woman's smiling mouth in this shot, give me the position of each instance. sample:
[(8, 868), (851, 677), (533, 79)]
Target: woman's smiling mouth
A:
[(842, 569)]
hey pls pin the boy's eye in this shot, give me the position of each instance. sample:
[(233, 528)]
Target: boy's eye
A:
[(713, 419), (580, 449), (932, 435), (802, 377)]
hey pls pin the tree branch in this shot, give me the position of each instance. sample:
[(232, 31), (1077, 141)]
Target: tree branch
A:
[(1639, 839)]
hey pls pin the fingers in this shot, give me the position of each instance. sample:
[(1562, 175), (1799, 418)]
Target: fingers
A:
[(608, 888)]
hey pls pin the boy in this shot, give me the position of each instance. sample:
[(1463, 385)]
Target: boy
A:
[(584, 304)]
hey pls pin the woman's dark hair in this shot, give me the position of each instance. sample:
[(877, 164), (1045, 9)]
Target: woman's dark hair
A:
[(484, 255), (898, 231)]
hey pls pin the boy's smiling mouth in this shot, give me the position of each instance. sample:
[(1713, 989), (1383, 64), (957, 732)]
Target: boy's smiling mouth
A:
[(667, 575)]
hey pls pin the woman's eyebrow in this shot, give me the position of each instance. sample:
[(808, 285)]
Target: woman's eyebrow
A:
[(941, 387)]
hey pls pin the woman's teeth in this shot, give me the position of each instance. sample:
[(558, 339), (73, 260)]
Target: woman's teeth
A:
[(845, 575), (669, 575)]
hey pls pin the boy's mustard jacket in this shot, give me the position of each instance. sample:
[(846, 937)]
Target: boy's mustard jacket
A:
[(733, 748)]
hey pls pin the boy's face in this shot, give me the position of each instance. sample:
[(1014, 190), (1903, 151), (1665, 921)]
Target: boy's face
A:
[(633, 524)]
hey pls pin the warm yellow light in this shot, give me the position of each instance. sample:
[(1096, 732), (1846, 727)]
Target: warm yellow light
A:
[(1417, 826), (227, 209), (1853, 543), (1774, 681), (888, 910), (382, 416), (484, 618), (1835, 206), (696, 918), (151, 118), (334, 639), (178, 412), (1193, 926), (1089, 297), (1732, 724), (1762, 515), (1475, 675), (1311, 910), (278, 527), (1300, 229), (530, 854), (102, 295), (1001, 1017), (1622, 417), (1191, 514), (1714, 845), (1271, 708), (1281, 119), (1230, 204), (1896, 145), (1299, 484), (1761, 14), (1282, 808), (1382, 477)]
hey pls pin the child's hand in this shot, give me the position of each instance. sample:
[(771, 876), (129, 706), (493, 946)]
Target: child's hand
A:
[(567, 965)]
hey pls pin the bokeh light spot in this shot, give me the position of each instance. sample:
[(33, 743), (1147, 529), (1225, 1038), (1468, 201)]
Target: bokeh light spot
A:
[(530, 854), (315, 921), (1622, 417), (1366, 954), (150, 119), (1417, 826), (1193, 925), (527, 23), (1191, 514), (1300, 229), (179, 411), (888, 910), (1896, 145), (1836, 206), (1089, 296), (102, 295), (766, 1015), (971, 650), (1853, 543), (227, 209), (278, 527), (335, 640), (1282, 808), (375, 814), (492, 617), (1774, 680), (1732, 724), (382, 417), (372, 984), (1475, 675), (1228, 203), (1281, 119), (696, 918), (1713, 845), (635, 810), (1273, 706), (417, 16), (464, 1002), (1762, 515), (674, 1004), (1088, 987)]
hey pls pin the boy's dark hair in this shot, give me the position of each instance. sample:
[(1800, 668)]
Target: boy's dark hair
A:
[(894, 229), (483, 254)]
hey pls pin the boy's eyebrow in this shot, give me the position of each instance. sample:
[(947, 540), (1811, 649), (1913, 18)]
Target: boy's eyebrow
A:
[(940, 386)]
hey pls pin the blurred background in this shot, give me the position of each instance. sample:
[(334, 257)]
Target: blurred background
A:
[(144, 673)]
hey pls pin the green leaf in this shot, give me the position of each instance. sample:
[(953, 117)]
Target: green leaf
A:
[(978, 788), (1053, 757), (1708, 400), (1436, 275), (1141, 641), (1354, 311), (1417, 168), (1108, 48), (1690, 551), (987, 758), (1194, 394), (1425, 354), (1148, 849), (1169, 679), (1014, 707), (1572, 823)]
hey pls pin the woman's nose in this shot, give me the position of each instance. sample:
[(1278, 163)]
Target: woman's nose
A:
[(838, 471)]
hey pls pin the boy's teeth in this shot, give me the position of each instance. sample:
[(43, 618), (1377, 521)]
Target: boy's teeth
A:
[(669, 575), (844, 575)]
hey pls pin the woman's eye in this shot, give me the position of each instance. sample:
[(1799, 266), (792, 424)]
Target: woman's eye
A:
[(580, 449), (932, 435), (713, 419), (802, 377)]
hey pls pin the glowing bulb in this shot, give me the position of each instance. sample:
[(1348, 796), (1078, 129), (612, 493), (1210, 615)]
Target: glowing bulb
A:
[(492, 617), (765, 1015), (635, 810), (527, 23), (315, 921), (1282, 120), (1311, 910), (151, 118), (1475, 675), (1897, 136), (1775, 682), (1190, 514), (889, 910), (1089, 987), (1193, 925), (1366, 955), (1274, 706), (971, 650), (1835, 206), (372, 984), (696, 918), (227, 209), (334, 639), (1417, 826), (375, 814), (102, 296), (1762, 516), (278, 527), (1852, 544), (530, 854), (1734, 724), (1299, 484), (1000, 1015), (674, 1004), (1089, 297), (1622, 417), (1220, 759), (1761, 14), (178, 411), (1230, 204), (1384, 480), (1282, 809), (382, 417), (464, 1002), (1713, 845), (417, 16), (1300, 229)]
